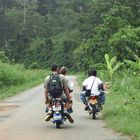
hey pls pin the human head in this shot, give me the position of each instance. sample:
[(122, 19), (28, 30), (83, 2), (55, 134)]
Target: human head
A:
[(58, 69), (54, 67), (63, 70), (94, 73)]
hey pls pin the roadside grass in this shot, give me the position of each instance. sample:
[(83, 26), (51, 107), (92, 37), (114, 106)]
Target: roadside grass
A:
[(9, 91), (122, 108), (15, 78), (122, 117)]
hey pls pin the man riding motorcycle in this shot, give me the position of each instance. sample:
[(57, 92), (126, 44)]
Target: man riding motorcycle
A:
[(92, 84), (63, 71), (48, 96)]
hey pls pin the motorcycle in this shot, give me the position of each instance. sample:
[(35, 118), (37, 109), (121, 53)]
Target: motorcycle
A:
[(58, 115), (94, 105)]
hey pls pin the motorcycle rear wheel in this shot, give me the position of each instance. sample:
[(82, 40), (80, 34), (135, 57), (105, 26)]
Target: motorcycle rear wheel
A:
[(94, 112), (57, 125)]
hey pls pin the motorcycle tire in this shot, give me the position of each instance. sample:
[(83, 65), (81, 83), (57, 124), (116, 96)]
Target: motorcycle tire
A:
[(94, 112), (57, 125)]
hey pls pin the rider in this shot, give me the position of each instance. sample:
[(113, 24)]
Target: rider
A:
[(91, 83), (63, 71), (48, 97)]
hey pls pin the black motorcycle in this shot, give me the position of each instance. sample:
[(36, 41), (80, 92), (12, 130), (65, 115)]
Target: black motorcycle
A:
[(94, 105)]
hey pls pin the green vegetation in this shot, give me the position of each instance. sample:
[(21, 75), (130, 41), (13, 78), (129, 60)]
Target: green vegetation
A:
[(122, 108), (14, 78), (74, 33), (80, 34), (112, 65)]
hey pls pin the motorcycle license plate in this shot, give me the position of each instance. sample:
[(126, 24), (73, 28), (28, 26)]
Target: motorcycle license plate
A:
[(56, 108), (57, 117), (93, 101)]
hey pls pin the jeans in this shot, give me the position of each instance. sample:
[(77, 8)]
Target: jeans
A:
[(83, 97), (101, 97), (70, 110)]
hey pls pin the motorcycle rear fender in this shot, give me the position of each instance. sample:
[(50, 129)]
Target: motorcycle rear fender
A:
[(93, 101)]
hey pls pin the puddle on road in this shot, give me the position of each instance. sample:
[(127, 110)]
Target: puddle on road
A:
[(7, 107)]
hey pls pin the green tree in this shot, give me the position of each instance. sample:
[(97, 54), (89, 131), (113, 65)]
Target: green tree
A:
[(3, 58), (39, 54), (125, 44), (112, 65)]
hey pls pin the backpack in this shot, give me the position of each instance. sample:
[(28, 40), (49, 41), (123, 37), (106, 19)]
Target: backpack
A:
[(55, 86)]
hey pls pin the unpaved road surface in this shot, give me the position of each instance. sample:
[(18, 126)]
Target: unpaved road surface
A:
[(22, 118)]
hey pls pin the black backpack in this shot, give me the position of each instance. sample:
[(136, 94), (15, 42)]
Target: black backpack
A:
[(55, 86)]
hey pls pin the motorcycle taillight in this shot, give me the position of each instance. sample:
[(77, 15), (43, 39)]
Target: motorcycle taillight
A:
[(93, 97)]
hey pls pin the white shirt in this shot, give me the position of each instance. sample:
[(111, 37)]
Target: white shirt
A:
[(88, 84)]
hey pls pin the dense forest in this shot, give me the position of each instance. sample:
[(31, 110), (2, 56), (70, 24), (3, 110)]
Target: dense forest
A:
[(75, 33), (80, 34)]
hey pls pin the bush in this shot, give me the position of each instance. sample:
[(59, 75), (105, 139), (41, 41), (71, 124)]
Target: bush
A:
[(17, 74), (123, 103)]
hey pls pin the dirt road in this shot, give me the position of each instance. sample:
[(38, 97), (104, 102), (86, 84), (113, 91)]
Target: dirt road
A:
[(22, 118)]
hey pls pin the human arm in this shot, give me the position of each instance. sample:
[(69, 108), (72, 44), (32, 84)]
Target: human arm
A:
[(84, 88), (100, 86), (66, 88), (46, 90), (70, 90), (84, 84), (67, 93), (46, 96)]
